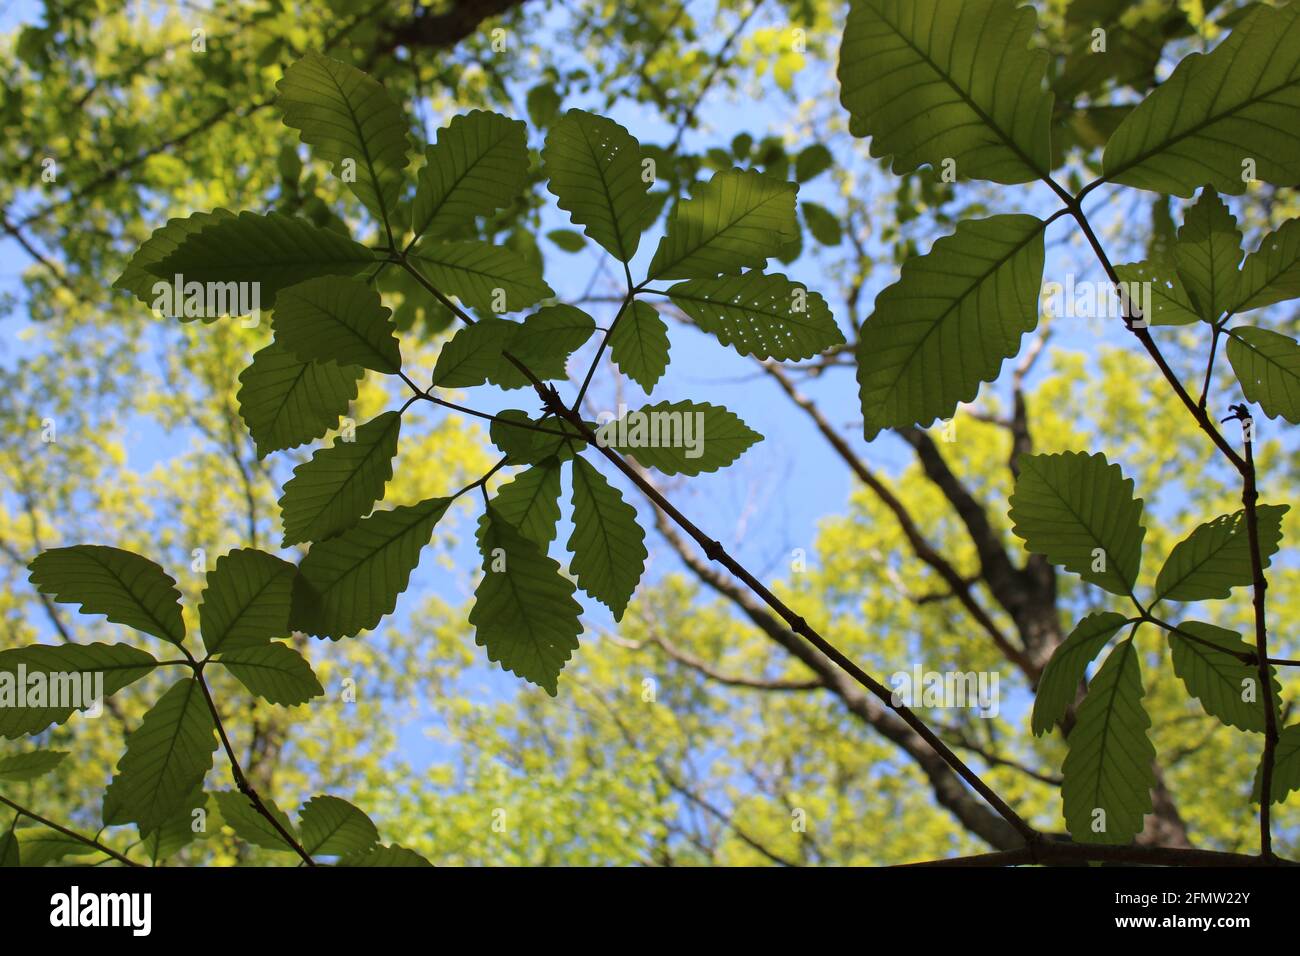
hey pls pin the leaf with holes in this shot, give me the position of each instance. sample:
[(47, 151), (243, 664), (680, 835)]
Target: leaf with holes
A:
[(949, 322), (932, 81), (766, 316), (125, 587), (1267, 365), (341, 483), (593, 167), (1079, 512), (347, 584)]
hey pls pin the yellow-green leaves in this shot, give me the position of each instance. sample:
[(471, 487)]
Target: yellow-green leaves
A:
[(346, 584), (949, 83), (949, 322), (594, 169), (125, 587), (337, 319), (1109, 771), (286, 401), (607, 544), (478, 165), (246, 601), (766, 316), (524, 612), (737, 220), (350, 120), (341, 483), (1228, 117), (1079, 511), (166, 759)]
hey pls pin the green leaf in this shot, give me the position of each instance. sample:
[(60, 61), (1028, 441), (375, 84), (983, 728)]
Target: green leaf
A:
[(166, 759), (348, 583), (1271, 273), (285, 401), (1110, 764), (736, 220), (812, 162), (10, 851), (273, 250), (1215, 558), (386, 856), (530, 501), (767, 316), (638, 344), (344, 115), (1267, 364), (19, 768), (1169, 303), (478, 165), (246, 600), (249, 825), (69, 667), (607, 544), (41, 847), (823, 224), (593, 167), (524, 612), (274, 672), (526, 444), (137, 277), (490, 278), (1227, 686), (680, 438), (1079, 512), (333, 827), (543, 342), (337, 319), (1217, 111), (473, 354), (341, 483), (1286, 766), (567, 239), (1207, 254), (125, 587), (949, 322), (932, 80), (177, 831), (1070, 660)]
